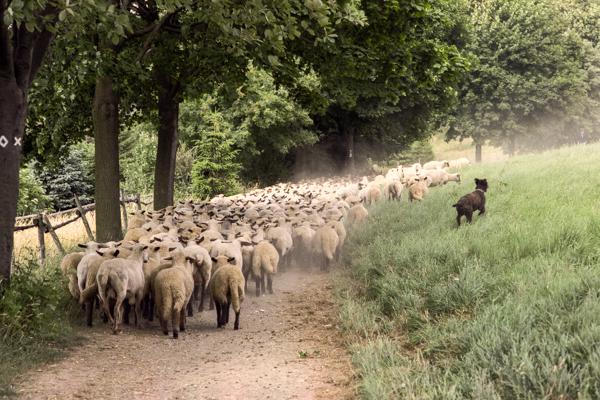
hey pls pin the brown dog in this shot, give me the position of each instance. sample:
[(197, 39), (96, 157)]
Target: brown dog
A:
[(472, 202)]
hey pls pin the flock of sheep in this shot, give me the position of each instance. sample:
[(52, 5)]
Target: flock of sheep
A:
[(171, 258)]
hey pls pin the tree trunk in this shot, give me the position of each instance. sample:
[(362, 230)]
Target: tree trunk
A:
[(106, 136), (13, 110), (350, 148), (478, 152), (166, 151)]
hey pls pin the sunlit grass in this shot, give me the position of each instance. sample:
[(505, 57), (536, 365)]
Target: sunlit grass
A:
[(508, 307)]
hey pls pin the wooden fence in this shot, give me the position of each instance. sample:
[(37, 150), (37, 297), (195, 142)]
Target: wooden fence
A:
[(41, 222)]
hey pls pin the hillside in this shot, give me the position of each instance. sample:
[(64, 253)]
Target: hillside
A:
[(505, 308)]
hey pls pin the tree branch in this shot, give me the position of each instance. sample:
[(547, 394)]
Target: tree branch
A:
[(152, 36)]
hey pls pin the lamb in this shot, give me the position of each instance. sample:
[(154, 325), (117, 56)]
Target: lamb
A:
[(68, 266), (325, 244), (227, 288), (418, 189), (471, 202), (356, 214), (265, 260), (122, 279), (173, 288)]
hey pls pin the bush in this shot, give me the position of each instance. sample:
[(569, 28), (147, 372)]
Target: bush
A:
[(34, 319), (73, 173), (31, 193)]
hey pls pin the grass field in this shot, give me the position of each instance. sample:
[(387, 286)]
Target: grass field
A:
[(507, 308), (454, 149)]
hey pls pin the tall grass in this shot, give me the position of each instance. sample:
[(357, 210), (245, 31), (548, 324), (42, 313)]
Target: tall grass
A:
[(35, 319), (506, 308)]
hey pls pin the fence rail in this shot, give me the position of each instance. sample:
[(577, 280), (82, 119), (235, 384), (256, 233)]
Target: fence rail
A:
[(41, 221)]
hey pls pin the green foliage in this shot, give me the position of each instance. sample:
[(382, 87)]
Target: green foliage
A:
[(137, 154), (419, 151), (216, 169), (73, 173), (31, 193), (504, 308), (34, 319), (534, 78)]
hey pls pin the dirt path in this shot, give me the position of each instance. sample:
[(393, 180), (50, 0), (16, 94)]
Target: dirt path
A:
[(287, 348)]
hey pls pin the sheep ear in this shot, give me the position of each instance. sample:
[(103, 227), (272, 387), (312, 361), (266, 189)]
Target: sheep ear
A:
[(244, 243), (168, 258), (156, 249), (148, 229), (200, 240), (100, 253), (158, 239), (145, 247), (116, 252), (118, 243), (172, 248), (231, 259), (83, 246), (213, 259)]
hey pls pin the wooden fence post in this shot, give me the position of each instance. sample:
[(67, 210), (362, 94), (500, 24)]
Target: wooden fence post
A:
[(124, 209), (41, 230), (138, 202), (53, 234), (85, 222)]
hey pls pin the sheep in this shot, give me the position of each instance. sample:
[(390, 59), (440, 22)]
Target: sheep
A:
[(418, 189), (202, 273), (302, 237), (325, 244), (356, 214), (173, 288), (436, 164), (471, 202), (341, 232), (394, 190), (68, 266), (281, 238), (89, 257), (229, 248), (122, 279), (459, 163), (370, 194), (227, 288), (89, 295), (265, 260), (452, 177), (438, 176)]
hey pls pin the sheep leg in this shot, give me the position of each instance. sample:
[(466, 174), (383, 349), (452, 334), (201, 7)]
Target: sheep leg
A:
[(151, 308), (163, 325), (218, 307), (202, 295), (257, 281), (176, 319), (118, 315), (270, 283), (236, 325), (262, 282), (182, 321), (138, 312), (227, 307), (126, 313), (190, 308), (246, 272), (89, 310)]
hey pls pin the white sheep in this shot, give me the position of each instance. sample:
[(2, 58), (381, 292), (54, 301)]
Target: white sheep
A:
[(227, 288), (265, 260)]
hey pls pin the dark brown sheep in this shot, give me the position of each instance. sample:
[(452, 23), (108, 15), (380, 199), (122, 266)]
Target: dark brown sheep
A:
[(472, 202)]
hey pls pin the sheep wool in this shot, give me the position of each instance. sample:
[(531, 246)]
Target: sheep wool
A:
[(265, 260), (227, 288)]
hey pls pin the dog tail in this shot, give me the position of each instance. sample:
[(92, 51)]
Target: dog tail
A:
[(455, 205)]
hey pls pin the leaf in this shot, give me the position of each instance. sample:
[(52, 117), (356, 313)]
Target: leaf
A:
[(62, 15)]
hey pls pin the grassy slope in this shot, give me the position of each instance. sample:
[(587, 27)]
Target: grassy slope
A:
[(508, 307)]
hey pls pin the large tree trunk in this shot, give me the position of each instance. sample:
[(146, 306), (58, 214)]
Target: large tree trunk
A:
[(106, 136), (350, 147), (166, 152), (13, 110)]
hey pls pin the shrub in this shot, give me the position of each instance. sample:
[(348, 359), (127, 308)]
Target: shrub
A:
[(31, 193), (34, 319)]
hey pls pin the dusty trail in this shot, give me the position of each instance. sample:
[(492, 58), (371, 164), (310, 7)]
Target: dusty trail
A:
[(287, 348)]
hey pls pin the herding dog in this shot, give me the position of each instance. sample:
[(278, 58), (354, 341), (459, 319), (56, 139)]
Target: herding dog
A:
[(472, 201)]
